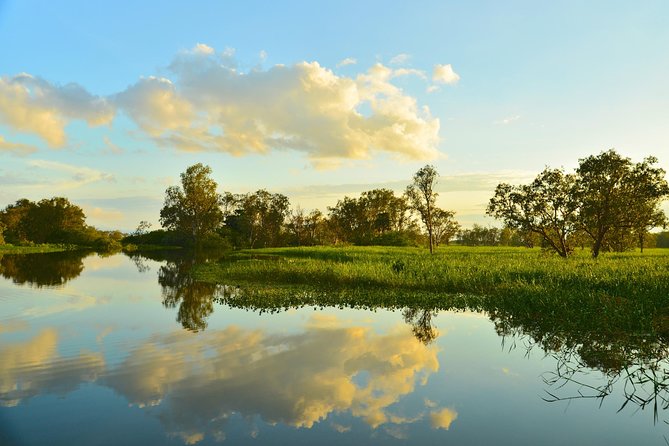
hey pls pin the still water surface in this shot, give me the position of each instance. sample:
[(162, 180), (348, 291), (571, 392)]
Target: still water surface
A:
[(120, 350)]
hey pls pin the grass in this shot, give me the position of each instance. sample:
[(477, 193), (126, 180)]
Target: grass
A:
[(34, 249), (452, 270), (623, 293)]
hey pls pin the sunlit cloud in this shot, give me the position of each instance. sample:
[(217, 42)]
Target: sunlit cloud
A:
[(16, 148), (347, 61), (32, 105), (112, 147), (409, 72), (444, 74), (400, 59), (78, 175), (212, 106), (97, 213)]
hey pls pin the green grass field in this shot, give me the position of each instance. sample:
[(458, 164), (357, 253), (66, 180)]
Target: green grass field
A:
[(482, 271)]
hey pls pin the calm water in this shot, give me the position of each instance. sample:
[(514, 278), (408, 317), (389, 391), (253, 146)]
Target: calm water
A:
[(115, 350)]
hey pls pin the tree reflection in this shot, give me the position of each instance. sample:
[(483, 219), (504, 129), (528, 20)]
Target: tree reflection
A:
[(421, 324), (194, 300), (595, 360), (48, 269)]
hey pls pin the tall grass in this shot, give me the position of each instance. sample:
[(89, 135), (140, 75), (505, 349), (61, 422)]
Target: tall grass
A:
[(490, 272)]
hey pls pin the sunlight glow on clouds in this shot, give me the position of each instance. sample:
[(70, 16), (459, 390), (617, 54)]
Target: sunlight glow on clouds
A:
[(17, 148), (206, 103), (211, 106), (444, 74), (33, 105)]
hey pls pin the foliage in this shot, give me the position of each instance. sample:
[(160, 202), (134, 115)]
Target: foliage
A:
[(194, 208), (422, 198), (256, 219), (366, 220), (609, 200), (615, 195), (546, 207)]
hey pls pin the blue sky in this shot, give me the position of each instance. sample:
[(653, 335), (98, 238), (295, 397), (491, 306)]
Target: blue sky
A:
[(107, 103)]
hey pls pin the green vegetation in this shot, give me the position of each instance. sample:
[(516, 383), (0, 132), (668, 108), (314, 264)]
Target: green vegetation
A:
[(53, 221), (609, 203), (34, 249), (405, 273)]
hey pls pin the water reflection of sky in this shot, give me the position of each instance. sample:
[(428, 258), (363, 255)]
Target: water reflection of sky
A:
[(98, 359)]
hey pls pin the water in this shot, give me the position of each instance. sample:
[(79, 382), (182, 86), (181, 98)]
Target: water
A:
[(121, 350)]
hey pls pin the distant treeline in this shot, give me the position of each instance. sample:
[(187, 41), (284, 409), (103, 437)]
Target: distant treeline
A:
[(53, 220), (607, 204)]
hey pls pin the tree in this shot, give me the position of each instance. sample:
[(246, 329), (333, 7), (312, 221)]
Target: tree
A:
[(194, 208), (257, 219), (546, 207), (422, 198), (616, 197), (444, 226)]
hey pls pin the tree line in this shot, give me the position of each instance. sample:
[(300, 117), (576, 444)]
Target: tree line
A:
[(52, 220), (194, 213), (608, 203)]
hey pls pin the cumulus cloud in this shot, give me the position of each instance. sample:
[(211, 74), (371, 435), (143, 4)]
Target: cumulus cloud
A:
[(212, 106), (444, 74), (206, 103), (32, 105)]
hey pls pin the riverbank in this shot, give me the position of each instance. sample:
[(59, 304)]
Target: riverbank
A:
[(36, 249)]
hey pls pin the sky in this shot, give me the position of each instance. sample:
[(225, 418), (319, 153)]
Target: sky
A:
[(106, 103)]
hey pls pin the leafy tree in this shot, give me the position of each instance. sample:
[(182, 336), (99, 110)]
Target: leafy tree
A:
[(194, 208), (13, 219), (54, 220), (546, 206), (616, 196), (257, 219), (422, 198), (444, 226)]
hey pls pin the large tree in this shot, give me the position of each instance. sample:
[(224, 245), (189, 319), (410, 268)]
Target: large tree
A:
[(423, 199), (194, 209), (546, 207), (617, 197), (258, 218)]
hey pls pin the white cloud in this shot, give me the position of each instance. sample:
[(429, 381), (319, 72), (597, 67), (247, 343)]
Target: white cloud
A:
[(400, 59), (444, 74), (409, 72), (211, 106), (347, 61), (32, 105)]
